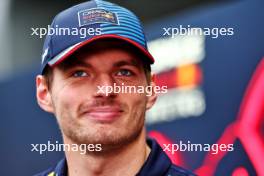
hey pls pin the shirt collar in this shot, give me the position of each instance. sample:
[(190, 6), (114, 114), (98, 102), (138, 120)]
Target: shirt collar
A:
[(61, 168), (157, 162)]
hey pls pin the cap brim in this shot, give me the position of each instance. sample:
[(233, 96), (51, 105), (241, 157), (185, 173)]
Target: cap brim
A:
[(70, 50)]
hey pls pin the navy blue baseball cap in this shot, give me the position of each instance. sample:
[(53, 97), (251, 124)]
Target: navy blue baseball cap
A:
[(99, 20)]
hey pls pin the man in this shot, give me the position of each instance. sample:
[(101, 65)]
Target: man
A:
[(76, 74)]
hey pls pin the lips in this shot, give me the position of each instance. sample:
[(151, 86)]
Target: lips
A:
[(104, 113)]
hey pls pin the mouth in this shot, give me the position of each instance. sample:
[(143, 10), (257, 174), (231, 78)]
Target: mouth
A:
[(104, 113)]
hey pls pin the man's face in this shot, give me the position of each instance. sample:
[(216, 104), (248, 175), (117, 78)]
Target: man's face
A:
[(85, 114)]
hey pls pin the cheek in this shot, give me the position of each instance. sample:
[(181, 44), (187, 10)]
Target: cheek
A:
[(137, 105), (65, 101), (63, 105)]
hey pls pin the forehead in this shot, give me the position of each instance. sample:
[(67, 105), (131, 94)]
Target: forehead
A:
[(105, 52)]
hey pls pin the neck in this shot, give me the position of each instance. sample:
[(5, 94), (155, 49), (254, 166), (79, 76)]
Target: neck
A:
[(126, 160)]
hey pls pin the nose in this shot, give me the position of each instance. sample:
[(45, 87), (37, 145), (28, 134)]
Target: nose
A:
[(104, 86)]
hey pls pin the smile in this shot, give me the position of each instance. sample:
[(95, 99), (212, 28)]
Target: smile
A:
[(104, 114)]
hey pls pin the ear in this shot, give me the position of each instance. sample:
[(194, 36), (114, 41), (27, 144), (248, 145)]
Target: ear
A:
[(43, 94), (151, 98)]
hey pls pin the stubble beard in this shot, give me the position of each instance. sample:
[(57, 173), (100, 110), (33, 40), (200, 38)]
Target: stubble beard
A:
[(110, 140)]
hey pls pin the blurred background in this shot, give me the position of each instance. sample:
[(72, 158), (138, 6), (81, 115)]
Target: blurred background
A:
[(215, 85)]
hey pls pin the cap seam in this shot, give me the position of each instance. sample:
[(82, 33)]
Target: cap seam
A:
[(51, 37)]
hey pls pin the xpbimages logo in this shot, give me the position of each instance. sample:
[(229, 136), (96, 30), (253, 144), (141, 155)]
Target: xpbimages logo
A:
[(50, 147), (64, 31), (182, 147), (188, 30), (116, 89)]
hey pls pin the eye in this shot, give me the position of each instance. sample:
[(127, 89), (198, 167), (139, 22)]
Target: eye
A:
[(124, 72), (80, 74)]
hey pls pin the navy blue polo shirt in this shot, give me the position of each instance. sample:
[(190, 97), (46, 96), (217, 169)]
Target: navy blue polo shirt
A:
[(157, 164)]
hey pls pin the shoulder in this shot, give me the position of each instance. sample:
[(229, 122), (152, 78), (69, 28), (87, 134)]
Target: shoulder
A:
[(178, 171), (59, 169), (48, 172)]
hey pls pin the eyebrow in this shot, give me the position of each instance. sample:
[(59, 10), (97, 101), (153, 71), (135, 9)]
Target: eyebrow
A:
[(124, 63), (75, 62), (79, 62)]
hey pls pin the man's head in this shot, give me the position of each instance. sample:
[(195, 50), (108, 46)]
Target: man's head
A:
[(68, 87), (86, 115)]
